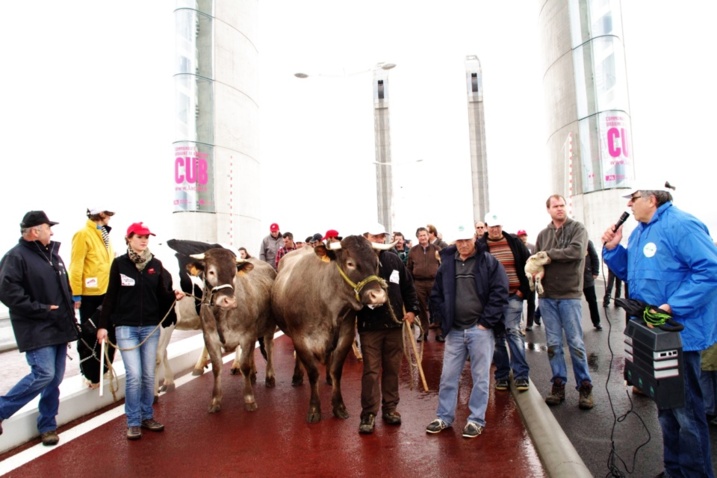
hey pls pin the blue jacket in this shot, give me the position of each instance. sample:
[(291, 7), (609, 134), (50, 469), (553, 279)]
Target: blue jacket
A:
[(672, 260), (491, 283)]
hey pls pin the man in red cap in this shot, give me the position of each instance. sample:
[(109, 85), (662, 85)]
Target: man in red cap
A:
[(332, 235), (270, 245)]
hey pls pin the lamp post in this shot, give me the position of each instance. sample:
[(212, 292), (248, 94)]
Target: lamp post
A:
[(382, 135)]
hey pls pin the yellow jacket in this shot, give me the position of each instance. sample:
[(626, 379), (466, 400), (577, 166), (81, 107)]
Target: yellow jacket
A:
[(90, 261)]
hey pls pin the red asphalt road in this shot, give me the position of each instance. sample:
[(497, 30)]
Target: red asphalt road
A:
[(275, 440)]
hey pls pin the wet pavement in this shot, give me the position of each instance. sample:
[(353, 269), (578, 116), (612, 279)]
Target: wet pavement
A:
[(275, 440)]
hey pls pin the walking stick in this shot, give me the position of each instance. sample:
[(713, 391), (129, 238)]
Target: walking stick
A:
[(418, 360), (102, 367)]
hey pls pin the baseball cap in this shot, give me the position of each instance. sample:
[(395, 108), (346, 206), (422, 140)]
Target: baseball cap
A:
[(139, 229), (521, 232), (376, 229), (463, 231), (316, 237), (492, 219), (274, 227), (331, 233), (648, 186), (92, 211), (36, 218)]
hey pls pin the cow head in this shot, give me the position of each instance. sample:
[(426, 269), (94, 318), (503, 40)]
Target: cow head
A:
[(357, 263), (218, 268)]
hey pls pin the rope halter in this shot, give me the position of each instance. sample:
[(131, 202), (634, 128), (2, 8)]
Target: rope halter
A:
[(209, 297), (358, 287)]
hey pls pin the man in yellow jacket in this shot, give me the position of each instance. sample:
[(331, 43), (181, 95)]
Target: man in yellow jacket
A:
[(92, 255)]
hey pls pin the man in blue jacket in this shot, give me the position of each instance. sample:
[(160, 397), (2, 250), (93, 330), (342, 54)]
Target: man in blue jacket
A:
[(467, 299), (35, 288), (671, 263)]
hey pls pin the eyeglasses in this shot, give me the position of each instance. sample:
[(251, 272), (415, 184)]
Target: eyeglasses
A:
[(480, 227), (635, 198)]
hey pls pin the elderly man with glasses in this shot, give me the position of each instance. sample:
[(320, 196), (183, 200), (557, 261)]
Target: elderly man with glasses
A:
[(671, 262)]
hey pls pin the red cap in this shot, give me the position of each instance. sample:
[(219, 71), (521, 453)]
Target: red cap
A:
[(139, 229), (330, 233), (521, 232), (274, 227)]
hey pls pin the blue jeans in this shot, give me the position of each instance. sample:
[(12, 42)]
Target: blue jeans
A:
[(511, 319), (139, 369), (478, 345), (47, 368), (565, 315), (685, 433)]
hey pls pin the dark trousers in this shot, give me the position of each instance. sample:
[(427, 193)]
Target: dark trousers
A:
[(591, 298), (612, 279), (531, 309), (423, 291), (382, 352), (88, 348)]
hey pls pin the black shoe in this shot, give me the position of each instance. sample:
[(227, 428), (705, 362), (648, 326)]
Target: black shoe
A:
[(420, 338), (367, 425), (50, 438), (392, 418), (152, 425), (529, 329), (598, 327), (440, 338)]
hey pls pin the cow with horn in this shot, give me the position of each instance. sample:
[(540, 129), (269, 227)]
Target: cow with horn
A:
[(315, 302), (235, 310)]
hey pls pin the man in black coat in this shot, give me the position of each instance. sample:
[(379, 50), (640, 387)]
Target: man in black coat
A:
[(35, 288)]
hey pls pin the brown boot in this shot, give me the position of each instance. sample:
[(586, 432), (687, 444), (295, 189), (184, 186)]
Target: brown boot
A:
[(557, 394), (586, 395)]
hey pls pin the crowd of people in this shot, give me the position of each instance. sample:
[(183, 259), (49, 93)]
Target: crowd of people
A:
[(471, 292)]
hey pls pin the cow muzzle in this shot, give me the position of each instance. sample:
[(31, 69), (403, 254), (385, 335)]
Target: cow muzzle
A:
[(359, 287), (223, 300)]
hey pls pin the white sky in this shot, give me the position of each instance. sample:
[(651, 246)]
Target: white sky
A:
[(87, 96)]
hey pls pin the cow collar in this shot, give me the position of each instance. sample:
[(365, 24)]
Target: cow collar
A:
[(358, 287)]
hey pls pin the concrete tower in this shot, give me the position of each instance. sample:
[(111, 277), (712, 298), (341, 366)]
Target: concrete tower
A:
[(476, 130), (215, 147), (588, 110), (382, 133)]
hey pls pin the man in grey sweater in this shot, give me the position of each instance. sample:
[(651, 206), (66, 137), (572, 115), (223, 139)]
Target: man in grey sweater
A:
[(565, 242)]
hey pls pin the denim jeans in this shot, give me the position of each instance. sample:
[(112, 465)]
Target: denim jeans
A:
[(478, 345), (511, 319), (47, 368), (708, 385), (565, 315), (139, 366), (685, 432)]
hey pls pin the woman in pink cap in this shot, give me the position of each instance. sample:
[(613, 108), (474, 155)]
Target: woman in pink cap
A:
[(138, 298)]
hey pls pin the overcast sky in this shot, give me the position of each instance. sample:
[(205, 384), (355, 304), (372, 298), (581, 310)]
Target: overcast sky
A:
[(88, 110)]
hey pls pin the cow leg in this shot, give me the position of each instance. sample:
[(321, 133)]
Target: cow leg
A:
[(298, 378), (246, 365), (312, 370), (202, 362), (336, 367), (161, 360), (215, 355), (270, 379)]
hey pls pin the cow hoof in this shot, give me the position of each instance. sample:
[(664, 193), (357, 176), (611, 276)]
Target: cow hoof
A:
[(197, 371), (313, 417), (169, 388), (250, 406), (329, 381), (253, 379), (156, 399), (270, 382), (234, 371), (297, 381), (340, 412), (214, 408)]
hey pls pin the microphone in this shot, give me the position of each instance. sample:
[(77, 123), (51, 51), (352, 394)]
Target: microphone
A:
[(621, 221)]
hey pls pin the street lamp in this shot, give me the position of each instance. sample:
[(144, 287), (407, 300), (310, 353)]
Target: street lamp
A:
[(384, 179)]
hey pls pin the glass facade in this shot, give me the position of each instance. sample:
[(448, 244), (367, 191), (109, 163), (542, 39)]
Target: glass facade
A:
[(194, 126), (601, 95)]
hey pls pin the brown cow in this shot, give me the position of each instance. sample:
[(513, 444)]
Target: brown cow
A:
[(315, 302), (235, 310)]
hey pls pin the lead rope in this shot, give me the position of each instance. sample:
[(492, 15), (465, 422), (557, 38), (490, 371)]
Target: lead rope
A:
[(114, 383), (414, 353)]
